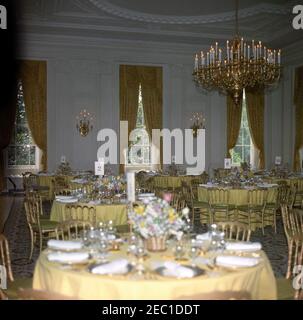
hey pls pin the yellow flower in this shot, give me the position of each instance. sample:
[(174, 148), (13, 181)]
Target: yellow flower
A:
[(139, 210), (171, 216)]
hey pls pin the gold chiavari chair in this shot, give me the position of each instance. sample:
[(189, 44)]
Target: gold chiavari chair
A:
[(269, 214), (79, 212), (200, 209), (293, 232), (298, 201), (34, 196), (284, 192), (218, 199), (42, 229), (256, 202), (32, 184), (69, 230), (12, 283), (59, 184), (235, 231)]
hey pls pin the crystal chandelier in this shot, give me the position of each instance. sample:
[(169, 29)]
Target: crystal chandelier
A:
[(240, 65)]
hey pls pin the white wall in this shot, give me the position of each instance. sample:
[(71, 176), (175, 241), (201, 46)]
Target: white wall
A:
[(87, 76)]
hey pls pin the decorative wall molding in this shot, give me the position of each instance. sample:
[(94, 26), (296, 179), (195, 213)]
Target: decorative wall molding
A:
[(202, 19)]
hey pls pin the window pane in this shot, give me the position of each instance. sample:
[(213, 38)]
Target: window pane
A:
[(247, 154), (22, 136), (11, 156), (246, 137), (22, 156), (32, 156)]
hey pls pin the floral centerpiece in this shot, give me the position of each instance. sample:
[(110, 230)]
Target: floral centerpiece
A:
[(155, 220), (64, 169)]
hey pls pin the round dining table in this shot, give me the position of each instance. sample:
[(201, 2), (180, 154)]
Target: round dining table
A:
[(238, 196), (78, 282), (116, 212)]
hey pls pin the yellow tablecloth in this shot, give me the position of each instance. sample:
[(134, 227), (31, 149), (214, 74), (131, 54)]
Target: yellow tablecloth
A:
[(171, 181), (239, 197), (290, 181), (104, 213), (259, 281), (47, 180)]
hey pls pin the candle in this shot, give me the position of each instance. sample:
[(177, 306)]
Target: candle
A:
[(248, 52), (279, 57), (220, 55), (244, 50), (196, 62), (131, 187)]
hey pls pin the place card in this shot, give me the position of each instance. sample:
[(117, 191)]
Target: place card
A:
[(227, 163), (63, 159), (99, 167), (278, 160)]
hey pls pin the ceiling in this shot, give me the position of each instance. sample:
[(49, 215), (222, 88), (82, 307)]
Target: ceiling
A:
[(189, 22)]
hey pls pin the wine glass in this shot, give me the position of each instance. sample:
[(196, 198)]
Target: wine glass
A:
[(179, 251)]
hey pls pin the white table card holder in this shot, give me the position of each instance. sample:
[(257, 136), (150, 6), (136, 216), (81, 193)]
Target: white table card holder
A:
[(131, 187), (63, 159), (227, 163), (278, 160), (99, 167)]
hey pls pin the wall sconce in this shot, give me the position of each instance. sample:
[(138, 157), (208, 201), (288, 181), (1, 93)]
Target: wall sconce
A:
[(84, 125), (198, 122)]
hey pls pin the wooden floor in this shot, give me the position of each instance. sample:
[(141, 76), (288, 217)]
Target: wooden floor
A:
[(6, 204)]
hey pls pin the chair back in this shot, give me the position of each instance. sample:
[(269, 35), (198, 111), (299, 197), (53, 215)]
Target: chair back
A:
[(34, 196), (80, 213), (69, 230), (5, 259), (218, 196), (187, 193), (292, 221), (32, 212), (283, 193), (257, 197), (235, 231)]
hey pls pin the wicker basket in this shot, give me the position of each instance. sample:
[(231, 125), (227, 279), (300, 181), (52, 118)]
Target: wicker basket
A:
[(156, 244)]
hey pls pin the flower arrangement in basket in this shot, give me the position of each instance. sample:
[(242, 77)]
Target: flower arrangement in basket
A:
[(155, 220)]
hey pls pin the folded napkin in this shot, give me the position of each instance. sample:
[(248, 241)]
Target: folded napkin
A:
[(234, 261), (69, 245), (203, 236), (115, 267), (243, 246), (178, 271), (72, 257)]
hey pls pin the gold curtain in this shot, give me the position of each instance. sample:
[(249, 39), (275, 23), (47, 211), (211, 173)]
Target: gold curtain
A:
[(129, 96), (234, 115), (152, 96), (298, 101), (33, 75), (255, 114)]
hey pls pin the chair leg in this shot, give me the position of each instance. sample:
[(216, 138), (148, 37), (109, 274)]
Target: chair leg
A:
[(288, 272), (263, 213), (40, 241), (32, 244)]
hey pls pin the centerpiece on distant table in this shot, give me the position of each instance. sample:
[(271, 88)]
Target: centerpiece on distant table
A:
[(155, 221)]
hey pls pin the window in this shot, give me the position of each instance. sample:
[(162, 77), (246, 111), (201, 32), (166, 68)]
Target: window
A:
[(139, 151), (244, 149), (22, 152)]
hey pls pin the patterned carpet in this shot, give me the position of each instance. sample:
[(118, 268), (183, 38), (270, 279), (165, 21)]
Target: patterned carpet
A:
[(17, 233)]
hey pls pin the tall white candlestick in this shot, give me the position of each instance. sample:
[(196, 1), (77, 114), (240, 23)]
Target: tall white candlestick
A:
[(131, 187)]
